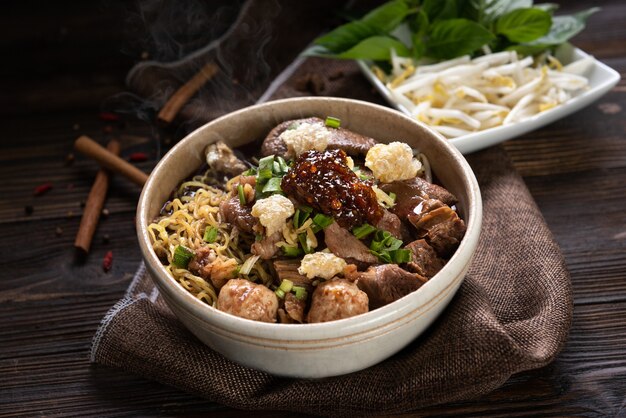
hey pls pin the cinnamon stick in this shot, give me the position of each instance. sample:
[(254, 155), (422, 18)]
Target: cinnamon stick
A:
[(185, 93), (107, 159), (94, 204)]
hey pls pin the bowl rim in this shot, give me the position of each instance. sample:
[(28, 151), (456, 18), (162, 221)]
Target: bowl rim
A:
[(358, 325)]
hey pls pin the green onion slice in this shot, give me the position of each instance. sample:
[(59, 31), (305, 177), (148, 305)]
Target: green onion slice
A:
[(266, 168), (210, 234), (291, 251), (332, 122), (242, 195), (182, 256), (322, 220), (363, 231), (272, 185), (286, 285), (280, 293), (303, 243), (400, 256), (300, 292)]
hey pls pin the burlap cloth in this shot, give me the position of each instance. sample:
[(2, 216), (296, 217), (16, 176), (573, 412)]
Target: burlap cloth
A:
[(512, 312)]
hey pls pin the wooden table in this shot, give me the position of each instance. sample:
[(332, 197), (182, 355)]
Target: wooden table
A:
[(62, 64)]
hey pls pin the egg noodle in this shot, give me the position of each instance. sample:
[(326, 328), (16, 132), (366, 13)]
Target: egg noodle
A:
[(194, 208), (185, 220)]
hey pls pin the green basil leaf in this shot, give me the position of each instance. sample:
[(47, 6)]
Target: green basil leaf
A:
[(346, 36), (565, 27), (419, 27), (440, 9), (524, 25), (387, 16), (376, 48), (456, 37), (483, 11)]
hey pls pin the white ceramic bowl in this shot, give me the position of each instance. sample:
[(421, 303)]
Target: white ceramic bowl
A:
[(323, 349)]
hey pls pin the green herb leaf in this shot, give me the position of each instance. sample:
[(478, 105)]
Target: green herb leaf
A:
[(346, 36), (419, 26), (377, 48), (456, 37), (524, 25), (484, 11), (565, 27), (387, 16), (182, 256), (440, 9), (210, 234)]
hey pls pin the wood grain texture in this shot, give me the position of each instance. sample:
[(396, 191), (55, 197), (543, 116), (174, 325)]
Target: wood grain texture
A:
[(70, 67)]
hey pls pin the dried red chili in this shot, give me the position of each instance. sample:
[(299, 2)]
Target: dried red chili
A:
[(138, 157), (107, 261), (42, 188), (109, 116)]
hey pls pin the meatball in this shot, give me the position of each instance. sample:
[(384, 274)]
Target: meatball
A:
[(337, 299), (248, 300)]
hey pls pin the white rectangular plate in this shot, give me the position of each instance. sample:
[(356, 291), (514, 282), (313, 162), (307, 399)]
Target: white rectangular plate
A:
[(602, 78)]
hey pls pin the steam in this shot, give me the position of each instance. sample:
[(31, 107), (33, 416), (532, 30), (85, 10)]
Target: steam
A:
[(180, 37)]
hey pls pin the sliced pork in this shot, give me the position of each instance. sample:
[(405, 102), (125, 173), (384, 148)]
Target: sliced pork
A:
[(386, 283), (266, 248), (424, 259), (439, 225), (344, 244), (235, 213), (340, 138)]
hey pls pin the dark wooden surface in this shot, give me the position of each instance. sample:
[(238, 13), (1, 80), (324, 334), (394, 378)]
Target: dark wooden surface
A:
[(64, 61)]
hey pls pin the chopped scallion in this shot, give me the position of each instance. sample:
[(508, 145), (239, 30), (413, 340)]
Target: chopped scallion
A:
[(283, 165), (400, 256), (300, 292), (280, 293), (266, 168), (322, 220), (210, 234), (241, 194), (286, 285), (182, 256), (291, 251), (363, 231), (272, 185), (332, 122), (303, 243)]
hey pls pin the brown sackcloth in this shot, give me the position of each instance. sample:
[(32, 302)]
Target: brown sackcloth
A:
[(512, 312)]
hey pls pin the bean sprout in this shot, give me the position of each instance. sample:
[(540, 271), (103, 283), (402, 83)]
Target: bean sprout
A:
[(464, 95)]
